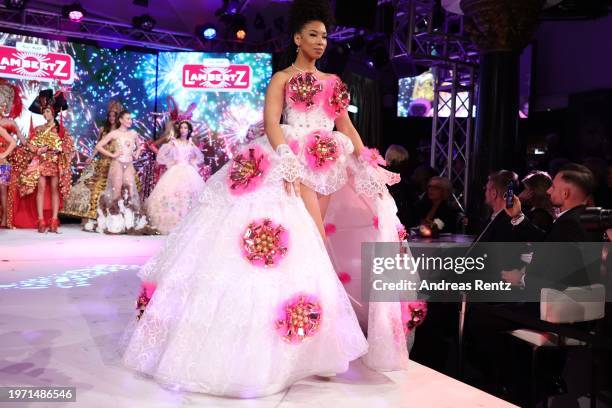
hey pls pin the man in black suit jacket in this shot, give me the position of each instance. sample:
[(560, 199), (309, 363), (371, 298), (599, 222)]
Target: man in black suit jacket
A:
[(499, 228), (567, 265), (550, 267)]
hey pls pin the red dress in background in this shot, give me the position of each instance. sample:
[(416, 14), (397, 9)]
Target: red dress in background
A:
[(27, 169)]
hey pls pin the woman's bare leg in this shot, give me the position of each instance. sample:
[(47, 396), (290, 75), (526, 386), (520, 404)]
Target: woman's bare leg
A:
[(311, 202), (323, 204), (128, 180), (55, 196), (116, 179), (40, 196), (3, 190)]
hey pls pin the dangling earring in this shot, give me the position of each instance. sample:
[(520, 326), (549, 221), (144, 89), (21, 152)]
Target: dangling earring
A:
[(297, 49)]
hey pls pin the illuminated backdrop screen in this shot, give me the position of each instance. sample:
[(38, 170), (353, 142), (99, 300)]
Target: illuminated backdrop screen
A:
[(99, 75), (224, 91)]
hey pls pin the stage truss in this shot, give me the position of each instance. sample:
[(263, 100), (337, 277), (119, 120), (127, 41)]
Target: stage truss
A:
[(425, 34), (41, 22)]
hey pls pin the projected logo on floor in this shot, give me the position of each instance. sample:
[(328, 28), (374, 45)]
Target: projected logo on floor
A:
[(72, 278)]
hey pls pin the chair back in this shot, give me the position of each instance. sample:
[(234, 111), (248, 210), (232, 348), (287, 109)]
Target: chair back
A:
[(574, 304)]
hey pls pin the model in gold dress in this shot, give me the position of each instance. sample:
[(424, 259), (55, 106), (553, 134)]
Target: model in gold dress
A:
[(84, 198)]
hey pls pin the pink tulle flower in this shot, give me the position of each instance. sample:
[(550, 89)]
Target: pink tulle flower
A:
[(401, 232), (338, 98), (372, 157), (294, 145), (413, 314), (322, 150), (329, 229), (146, 292), (375, 222), (264, 243), (302, 90), (300, 318), (247, 170), (344, 277)]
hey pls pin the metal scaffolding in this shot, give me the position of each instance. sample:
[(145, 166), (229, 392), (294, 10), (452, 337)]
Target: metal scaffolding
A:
[(40, 22), (425, 34)]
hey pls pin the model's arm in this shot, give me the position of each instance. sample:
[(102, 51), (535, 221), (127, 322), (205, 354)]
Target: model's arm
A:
[(273, 109), (11, 143), (102, 143), (95, 151), (345, 125)]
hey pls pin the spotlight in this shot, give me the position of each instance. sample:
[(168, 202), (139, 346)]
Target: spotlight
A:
[(144, 22), (15, 4), (239, 27), (74, 12), (241, 34), (207, 31)]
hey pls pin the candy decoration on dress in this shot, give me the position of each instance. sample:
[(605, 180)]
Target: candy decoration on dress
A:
[(322, 150), (264, 243), (329, 229), (401, 232), (339, 99), (344, 277), (247, 170), (303, 88), (375, 222), (372, 157), (413, 314), (146, 292), (300, 319)]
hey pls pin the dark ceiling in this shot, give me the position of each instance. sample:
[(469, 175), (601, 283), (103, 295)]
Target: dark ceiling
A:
[(181, 16)]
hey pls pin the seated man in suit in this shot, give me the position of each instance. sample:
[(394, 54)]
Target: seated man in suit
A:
[(499, 228), (550, 267)]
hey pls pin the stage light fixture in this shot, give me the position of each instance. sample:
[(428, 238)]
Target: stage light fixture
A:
[(75, 12), (207, 31), (144, 22), (15, 4), (241, 34), (238, 26)]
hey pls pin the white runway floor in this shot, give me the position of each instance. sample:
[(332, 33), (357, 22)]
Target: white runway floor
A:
[(65, 299)]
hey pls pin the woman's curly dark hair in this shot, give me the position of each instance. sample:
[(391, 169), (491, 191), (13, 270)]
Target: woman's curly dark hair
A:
[(302, 12)]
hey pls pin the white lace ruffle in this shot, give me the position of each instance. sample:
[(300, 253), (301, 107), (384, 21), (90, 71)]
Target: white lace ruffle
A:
[(288, 166), (326, 181), (371, 181)]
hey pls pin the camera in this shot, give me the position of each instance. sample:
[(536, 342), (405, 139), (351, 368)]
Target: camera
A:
[(596, 218)]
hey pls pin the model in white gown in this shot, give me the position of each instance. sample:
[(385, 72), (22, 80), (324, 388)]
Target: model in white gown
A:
[(247, 301), (178, 189)]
